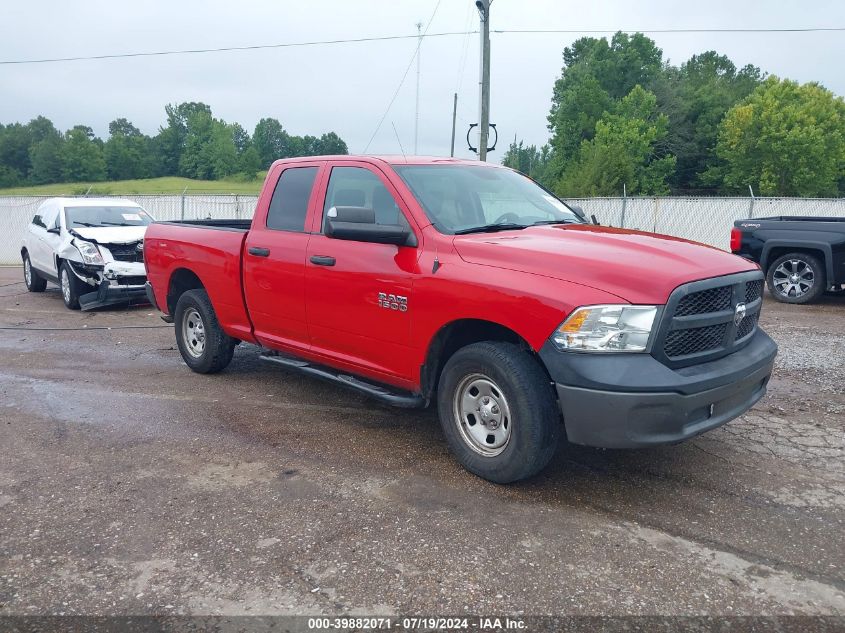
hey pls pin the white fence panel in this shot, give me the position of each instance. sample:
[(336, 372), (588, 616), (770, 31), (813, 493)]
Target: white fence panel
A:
[(706, 220)]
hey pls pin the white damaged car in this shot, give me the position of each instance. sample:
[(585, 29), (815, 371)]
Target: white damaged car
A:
[(93, 248)]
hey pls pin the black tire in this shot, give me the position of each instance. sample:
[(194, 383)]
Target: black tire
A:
[(807, 267), (526, 392), (72, 287), (34, 282), (216, 349)]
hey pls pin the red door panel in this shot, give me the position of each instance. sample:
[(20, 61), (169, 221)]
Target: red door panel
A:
[(359, 308), (274, 259)]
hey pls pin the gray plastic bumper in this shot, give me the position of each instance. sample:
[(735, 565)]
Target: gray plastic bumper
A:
[(632, 400)]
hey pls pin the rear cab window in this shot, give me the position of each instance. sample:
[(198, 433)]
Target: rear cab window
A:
[(289, 204)]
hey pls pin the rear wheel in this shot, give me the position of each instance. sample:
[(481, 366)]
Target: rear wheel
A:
[(796, 278), (72, 286), (498, 411), (204, 346), (34, 282)]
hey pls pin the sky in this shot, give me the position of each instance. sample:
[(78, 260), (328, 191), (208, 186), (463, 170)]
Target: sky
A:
[(346, 88)]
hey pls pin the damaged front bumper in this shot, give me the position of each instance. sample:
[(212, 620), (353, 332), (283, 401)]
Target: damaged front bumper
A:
[(116, 282)]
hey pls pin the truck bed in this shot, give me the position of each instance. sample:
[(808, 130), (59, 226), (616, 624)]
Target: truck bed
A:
[(211, 250), (797, 218), (221, 224)]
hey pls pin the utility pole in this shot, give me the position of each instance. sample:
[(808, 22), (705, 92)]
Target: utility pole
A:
[(454, 115), (417, 109), (484, 81)]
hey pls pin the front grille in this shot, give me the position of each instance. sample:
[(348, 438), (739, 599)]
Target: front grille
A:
[(135, 280), (753, 290), (695, 340), (746, 326), (710, 300), (126, 252), (699, 322)]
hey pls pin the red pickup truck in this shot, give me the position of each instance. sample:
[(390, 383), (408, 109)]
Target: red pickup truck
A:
[(426, 279)]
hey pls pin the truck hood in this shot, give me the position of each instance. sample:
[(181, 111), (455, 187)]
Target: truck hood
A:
[(638, 267), (112, 234)]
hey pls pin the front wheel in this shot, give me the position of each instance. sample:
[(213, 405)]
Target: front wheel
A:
[(498, 411), (72, 287), (204, 346), (796, 278)]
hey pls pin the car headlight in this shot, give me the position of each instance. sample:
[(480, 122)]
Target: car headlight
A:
[(90, 253), (606, 328)]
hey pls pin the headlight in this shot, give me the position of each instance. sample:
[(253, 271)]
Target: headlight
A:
[(608, 328), (90, 253)]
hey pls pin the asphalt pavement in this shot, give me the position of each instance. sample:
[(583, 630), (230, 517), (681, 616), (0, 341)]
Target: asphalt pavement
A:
[(130, 485)]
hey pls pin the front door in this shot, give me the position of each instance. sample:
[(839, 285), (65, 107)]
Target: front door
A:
[(359, 296), (274, 260)]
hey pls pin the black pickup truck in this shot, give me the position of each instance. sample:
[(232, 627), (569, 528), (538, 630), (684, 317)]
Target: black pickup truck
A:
[(802, 256)]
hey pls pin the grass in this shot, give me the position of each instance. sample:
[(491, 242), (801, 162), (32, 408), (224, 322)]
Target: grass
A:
[(165, 185)]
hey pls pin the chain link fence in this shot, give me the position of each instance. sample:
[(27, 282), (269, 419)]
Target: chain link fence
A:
[(701, 219)]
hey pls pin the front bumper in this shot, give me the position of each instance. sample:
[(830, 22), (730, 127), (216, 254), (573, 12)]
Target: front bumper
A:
[(633, 400), (110, 293)]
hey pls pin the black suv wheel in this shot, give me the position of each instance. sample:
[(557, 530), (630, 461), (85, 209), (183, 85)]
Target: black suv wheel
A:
[(796, 278)]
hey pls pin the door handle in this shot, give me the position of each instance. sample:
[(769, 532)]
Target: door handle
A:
[(258, 251), (322, 260)]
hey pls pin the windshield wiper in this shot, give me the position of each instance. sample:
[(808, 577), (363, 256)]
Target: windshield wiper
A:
[(88, 224), (118, 224), (541, 222), (492, 228)]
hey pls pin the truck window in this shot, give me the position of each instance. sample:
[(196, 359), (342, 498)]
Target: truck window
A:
[(38, 221), (359, 187), (289, 203)]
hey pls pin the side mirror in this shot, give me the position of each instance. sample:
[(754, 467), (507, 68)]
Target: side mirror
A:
[(595, 219), (55, 230), (358, 224)]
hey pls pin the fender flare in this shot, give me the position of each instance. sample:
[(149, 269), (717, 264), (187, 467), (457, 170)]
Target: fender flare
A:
[(826, 250)]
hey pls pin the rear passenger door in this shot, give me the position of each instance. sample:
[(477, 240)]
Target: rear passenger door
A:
[(274, 259)]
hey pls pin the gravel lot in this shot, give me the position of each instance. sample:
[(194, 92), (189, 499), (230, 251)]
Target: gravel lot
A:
[(129, 485)]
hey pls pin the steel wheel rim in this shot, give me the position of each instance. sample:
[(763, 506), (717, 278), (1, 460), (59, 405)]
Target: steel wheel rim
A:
[(793, 278), (65, 285), (482, 415), (193, 332), (27, 271)]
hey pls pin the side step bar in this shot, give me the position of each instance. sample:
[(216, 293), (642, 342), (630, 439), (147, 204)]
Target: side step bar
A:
[(387, 395)]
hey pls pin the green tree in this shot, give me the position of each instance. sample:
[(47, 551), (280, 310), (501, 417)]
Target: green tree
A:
[(209, 152), (171, 139), (696, 98), (529, 160), (329, 144), (15, 140), (624, 152), (126, 152), (784, 139), (81, 156), (596, 73), (271, 141)]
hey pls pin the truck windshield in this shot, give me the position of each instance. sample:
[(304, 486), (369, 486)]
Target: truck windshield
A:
[(82, 217), (468, 198)]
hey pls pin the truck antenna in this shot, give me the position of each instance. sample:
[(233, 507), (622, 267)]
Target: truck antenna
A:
[(398, 141)]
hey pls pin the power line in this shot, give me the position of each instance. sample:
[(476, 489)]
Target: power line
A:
[(224, 49), (402, 81), (612, 31), (388, 38)]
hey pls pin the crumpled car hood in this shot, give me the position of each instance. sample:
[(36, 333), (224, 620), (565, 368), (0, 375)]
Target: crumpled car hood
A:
[(112, 234), (639, 267)]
